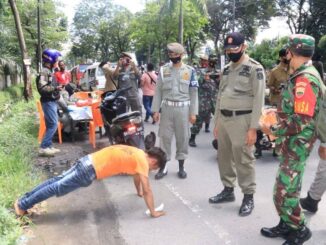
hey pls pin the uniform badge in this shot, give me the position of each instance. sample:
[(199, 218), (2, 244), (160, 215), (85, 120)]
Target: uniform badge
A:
[(305, 99), (260, 74), (186, 76)]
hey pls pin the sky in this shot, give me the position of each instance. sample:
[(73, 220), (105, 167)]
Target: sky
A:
[(278, 27)]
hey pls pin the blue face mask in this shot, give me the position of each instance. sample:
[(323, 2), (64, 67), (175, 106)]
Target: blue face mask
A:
[(235, 57)]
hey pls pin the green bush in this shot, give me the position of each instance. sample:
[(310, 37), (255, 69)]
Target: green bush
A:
[(18, 144), (9, 228)]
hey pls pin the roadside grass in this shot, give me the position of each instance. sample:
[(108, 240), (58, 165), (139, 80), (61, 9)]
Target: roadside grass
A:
[(18, 142)]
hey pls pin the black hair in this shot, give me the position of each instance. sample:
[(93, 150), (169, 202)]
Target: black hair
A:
[(308, 53), (159, 154), (150, 67), (282, 52), (103, 63)]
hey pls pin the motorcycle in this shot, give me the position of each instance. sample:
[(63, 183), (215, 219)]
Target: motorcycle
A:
[(263, 142), (121, 126)]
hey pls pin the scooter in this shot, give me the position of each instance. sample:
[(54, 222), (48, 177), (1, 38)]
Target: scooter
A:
[(121, 126)]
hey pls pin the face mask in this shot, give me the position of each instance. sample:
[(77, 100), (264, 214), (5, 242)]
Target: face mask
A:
[(285, 61), (176, 60), (211, 64), (235, 57)]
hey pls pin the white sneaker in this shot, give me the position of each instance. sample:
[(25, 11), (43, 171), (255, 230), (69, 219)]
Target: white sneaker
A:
[(46, 152), (55, 150)]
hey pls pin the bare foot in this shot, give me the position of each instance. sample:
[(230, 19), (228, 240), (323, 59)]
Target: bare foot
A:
[(18, 210)]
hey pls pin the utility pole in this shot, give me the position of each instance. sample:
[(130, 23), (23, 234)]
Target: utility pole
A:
[(233, 20), (26, 61), (39, 48)]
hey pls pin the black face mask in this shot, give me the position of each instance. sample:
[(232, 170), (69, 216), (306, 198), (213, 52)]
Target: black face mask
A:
[(176, 60), (285, 61), (211, 64), (235, 57)]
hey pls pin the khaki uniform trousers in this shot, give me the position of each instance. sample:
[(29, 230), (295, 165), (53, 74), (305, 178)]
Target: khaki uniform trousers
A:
[(318, 187), (235, 159), (174, 121)]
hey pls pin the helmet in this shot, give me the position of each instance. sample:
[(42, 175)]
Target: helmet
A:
[(50, 56)]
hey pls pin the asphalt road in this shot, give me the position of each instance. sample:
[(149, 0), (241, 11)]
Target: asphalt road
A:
[(110, 212)]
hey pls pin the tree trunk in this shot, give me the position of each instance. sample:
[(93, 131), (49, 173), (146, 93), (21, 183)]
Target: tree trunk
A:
[(25, 59), (180, 37)]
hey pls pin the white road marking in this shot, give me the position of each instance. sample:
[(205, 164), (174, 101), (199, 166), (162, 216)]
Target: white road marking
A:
[(196, 209)]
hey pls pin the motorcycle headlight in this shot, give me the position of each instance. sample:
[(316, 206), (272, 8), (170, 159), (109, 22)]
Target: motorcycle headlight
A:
[(136, 120)]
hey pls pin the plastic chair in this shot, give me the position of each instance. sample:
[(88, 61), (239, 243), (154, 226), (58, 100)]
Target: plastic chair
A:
[(96, 123), (42, 128)]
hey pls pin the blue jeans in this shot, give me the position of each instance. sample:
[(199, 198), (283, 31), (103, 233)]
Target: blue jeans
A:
[(147, 102), (81, 174), (50, 110)]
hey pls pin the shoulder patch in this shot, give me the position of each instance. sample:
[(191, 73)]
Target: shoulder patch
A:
[(305, 99), (226, 70)]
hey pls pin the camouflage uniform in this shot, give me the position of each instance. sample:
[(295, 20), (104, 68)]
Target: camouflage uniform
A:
[(296, 137), (207, 98)]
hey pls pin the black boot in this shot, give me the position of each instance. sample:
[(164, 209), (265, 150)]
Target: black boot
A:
[(227, 195), (192, 141), (207, 128), (274, 153), (146, 118), (161, 173), (258, 153), (247, 205), (309, 204), (281, 230), (182, 173), (298, 237)]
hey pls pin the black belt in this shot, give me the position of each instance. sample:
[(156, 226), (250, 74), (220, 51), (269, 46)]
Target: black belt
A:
[(228, 113)]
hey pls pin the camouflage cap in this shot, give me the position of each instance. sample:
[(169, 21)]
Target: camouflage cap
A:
[(302, 45), (175, 48)]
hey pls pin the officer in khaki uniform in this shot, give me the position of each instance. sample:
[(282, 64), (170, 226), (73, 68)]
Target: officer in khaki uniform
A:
[(238, 108), (278, 77), (177, 97), (128, 75), (110, 84)]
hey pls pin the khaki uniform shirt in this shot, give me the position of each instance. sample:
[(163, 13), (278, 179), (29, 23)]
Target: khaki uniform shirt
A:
[(176, 84), (110, 83), (277, 77), (242, 87)]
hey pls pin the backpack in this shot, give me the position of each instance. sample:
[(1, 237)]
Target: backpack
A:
[(320, 124)]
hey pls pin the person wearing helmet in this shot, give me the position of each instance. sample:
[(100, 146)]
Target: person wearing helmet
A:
[(295, 132), (49, 92)]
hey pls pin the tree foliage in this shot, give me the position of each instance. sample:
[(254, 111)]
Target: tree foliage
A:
[(267, 51), (100, 30), (53, 27), (248, 16), (304, 16)]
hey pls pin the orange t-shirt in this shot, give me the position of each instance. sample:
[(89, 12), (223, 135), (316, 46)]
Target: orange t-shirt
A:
[(119, 159)]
